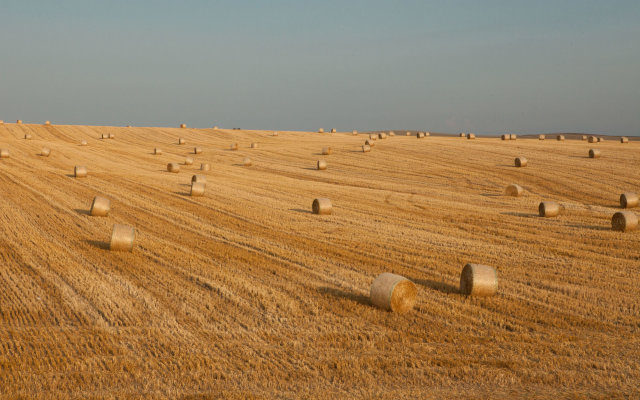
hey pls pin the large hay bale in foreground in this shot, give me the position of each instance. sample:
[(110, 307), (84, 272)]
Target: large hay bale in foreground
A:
[(197, 150), (593, 139), (122, 238), (188, 160), (173, 167), (393, 292), (100, 207), (624, 221), (629, 200), (321, 206), (157, 151), (624, 139), (4, 153), (327, 150), (366, 148), (27, 136), (181, 141), (246, 162), (478, 280), (514, 190), (541, 137), (205, 167), (322, 165), (521, 162), (45, 152), (183, 126), (560, 138), (80, 171), (199, 178), (548, 209), (471, 135), (197, 189), (594, 153)]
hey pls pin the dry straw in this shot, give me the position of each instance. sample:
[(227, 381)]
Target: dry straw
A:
[(205, 167), (183, 126), (593, 139), (549, 209), (122, 238), (471, 136), (173, 167), (393, 292), (197, 150), (234, 146), (513, 136), (80, 171), (254, 145), (83, 143), (521, 162), (197, 188), (624, 221), (624, 139), (100, 207), (199, 178), (594, 153), (478, 280), (322, 164), (246, 161), (45, 152), (514, 190), (321, 206), (541, 137), (629, 200), (157, 151), (188, 160), (27, 136), (366, 148), (181, 141), (560, 138), (4, 153)]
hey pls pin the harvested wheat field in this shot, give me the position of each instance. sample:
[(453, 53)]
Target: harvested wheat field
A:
[(245, 293)]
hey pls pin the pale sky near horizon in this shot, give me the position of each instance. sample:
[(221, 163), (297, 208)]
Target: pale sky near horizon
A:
[(443, 66)]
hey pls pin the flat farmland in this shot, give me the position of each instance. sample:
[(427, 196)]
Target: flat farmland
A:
[(244, 293)]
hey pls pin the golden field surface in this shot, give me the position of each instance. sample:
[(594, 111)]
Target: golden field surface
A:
[(244, 293)]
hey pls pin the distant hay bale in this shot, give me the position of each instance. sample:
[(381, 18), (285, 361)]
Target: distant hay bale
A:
[(407, 133), (392, 133), (122, 238), (521, 162), (327, 150), (274, 133), (100, 207), (600, 139), (624, 139), (47, 122), (205, 167), (478, 280), (548, 209), (80, 171), (19, 121), (197, 189), (513, 136), (320, 130), (199, 178), (246, 162), (1, 122), (369, 143), (215, 127), (322, 164), (427, 134), (45, 152), (112, 136), (173, 167), (321, 206), (560, 138), (188, 160), (471, 136), (354, 132), (234, 146), (584, 137), (197, 150), (4, 153), (629, 200), (104, 136), (366, 148), (373, 136), (594, 153), (505, 136), (593, 139), (514, 190), (333, 130), (254, 145), (183, 126), (624, 221), (382, 135), (181, 141), (393, 293), (157, 151), (462, 134), (27, 136), (541, 137), (419, 135), (83, 143)]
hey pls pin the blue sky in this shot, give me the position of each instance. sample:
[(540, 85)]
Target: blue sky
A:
[(482, 66)]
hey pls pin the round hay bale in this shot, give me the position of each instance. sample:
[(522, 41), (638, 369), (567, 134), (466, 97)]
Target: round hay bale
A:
[(173, 167), (205, 167), (548, 209), (600, 139), (407, 133), (514, 190), (215, 127), (419, 135), (372, 136), (382, 135), (593, 139), (462, 134), (321, 206), (83, 143), (369, 143), (112, 136), (274, 133), (45, 152), (392, 133), (188, 160), (254, 145), (100, 207), (594, 153), (624, 221), (47, 122), (27, 136), (19, 121), (104, 136), (471, 136), (478, 280), (199, 178), (333, 130), (354, 132), (584, 137), (197, 150), (322, 164), (327, 150), (427, 134), (393, 293), (157, 151), (366, 148), (541, 137), (181, 141), (521, 162), (234, 146), (80, 171), (183, 126), (321, 130), (122, 238), (4, 153), (629, 200), (197, 189), (246, 162), (624, 139), (1, 122), (513, 136), (560, 138), (505, 136)]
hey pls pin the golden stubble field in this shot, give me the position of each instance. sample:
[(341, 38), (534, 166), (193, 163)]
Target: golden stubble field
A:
[(244, 293)]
